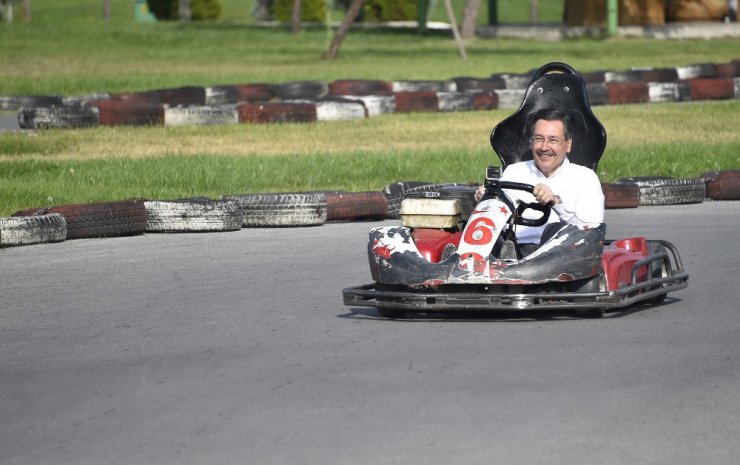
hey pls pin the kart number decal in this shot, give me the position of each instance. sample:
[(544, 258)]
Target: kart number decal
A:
[(480, 234)]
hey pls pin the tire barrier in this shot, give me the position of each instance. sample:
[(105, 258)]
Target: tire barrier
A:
[(192, 215), (376, 104), (347, 206), (703, 81), (624, 195), (423, 86), (455, 101), (105, 219), (301, 209), (201, 116), (338, 109), (129, 112), (300, 90), (360, 87), (277, 112), (32, 230), (10, 102), (255, 92), (417, 101), (712, 89), (55, 224), (221, 95), (722, 185), (668, 191), (628, 92), (63, 117)]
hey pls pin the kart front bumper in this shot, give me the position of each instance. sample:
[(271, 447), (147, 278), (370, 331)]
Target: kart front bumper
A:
[(414, 300)]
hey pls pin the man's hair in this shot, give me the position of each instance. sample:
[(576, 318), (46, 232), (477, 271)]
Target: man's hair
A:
[(548, 114)]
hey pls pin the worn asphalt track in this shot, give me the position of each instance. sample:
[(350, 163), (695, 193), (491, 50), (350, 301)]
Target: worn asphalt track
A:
[(236, 348)]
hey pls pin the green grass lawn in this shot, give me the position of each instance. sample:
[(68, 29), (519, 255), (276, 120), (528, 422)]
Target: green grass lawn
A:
[(67, 49)]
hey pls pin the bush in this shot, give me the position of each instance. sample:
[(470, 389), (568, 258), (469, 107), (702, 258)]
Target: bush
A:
[(311, 10), (389, 10), (201, 10)]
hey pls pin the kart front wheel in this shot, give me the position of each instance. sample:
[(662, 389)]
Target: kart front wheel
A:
[(590, 312), (594, 284), (383, 309)]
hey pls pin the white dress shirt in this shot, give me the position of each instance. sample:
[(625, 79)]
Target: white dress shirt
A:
[(579, 189)]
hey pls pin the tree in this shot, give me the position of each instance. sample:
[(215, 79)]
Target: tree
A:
[(295, 17), (106, 10), (470, 19), (534, 16), (352, 13), (184, 13)]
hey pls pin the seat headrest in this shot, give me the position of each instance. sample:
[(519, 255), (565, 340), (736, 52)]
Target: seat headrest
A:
[(559, 87)]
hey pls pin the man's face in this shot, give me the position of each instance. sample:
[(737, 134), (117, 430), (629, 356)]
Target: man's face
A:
[(549, 145)]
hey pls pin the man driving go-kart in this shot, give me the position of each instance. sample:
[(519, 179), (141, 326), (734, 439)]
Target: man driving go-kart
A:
[(573, 191), (535, 240)]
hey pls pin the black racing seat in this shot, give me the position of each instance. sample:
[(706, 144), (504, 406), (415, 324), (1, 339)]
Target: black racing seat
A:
[(555, 86)]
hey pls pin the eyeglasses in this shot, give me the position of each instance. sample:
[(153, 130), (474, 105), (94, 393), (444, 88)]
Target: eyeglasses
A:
[(551, 141)]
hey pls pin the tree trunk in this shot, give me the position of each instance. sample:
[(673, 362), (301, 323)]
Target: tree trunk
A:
[(26, 10), (470, 19), (184, 13), (106, 10), (336, 43), (295, 17), (534, 16)]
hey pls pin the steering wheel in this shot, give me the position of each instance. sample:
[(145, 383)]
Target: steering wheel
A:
[(495, 190)]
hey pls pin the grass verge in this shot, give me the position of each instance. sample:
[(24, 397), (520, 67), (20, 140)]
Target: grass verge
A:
[(678, 140)]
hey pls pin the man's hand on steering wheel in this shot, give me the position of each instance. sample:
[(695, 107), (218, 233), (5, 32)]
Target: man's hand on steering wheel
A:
[(544, 195)]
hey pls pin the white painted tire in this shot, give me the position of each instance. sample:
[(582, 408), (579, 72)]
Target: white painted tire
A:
[(340, 110), (200, 116), (58, 117), (376, 104), (424, 86), (32, 230), (192, 215), (456, 101), (307, 209)]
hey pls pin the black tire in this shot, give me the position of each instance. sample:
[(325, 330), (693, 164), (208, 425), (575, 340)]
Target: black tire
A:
[(302, 90), (32, 230), (394, 200), (465, 84), (384, 311), (594, 284), (307, 209), (16, 102), (58, 117), (103, 219), (192, 215), (668, 191), (658, 270)]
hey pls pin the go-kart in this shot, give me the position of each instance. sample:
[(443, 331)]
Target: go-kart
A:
[(444, 259)]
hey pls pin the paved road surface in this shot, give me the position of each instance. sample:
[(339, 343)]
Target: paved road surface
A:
[(235, 348)]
